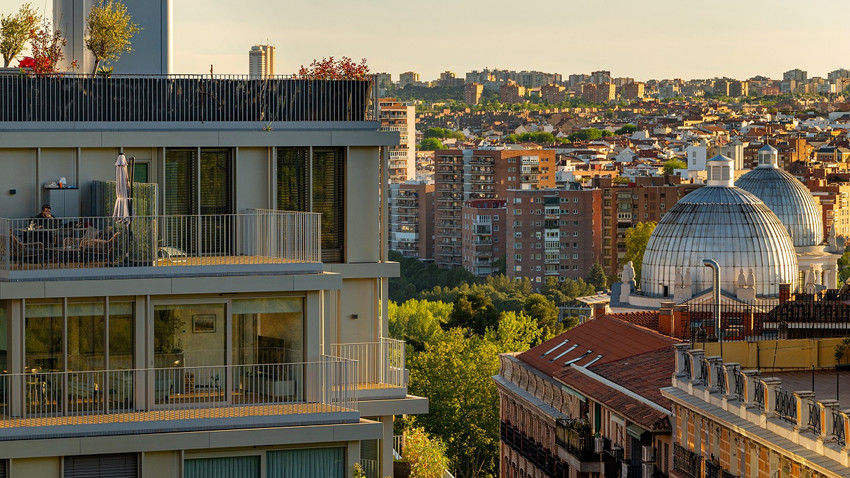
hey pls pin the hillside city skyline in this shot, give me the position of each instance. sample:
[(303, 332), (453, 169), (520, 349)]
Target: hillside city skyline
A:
[(643, 41)]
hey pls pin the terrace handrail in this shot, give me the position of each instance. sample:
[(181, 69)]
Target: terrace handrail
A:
[(381, 362), (73, 97), (257, 236), (145, 395)]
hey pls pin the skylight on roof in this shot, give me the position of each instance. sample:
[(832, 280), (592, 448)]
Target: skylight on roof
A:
[(565, 352), (554, 348), (578, 358), (588, 364)]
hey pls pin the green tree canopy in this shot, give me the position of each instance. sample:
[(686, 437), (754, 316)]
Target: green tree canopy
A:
[(626, 129), (16, 30), (536, 137), (545, 312), (418, 322), (588, 134), (109, 29), (672, 165), (427, 456), (443, 133), (596, 277), (636, 239), (430, 144)]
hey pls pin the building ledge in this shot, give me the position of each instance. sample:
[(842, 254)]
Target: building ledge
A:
[(409, 405), (132, 441)]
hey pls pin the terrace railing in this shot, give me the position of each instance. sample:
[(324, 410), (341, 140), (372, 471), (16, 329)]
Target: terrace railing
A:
[(255, 237), (183, 99), (381, 363), (40, 399)]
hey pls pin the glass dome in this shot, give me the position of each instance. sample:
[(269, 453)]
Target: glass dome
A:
[(725, 223)]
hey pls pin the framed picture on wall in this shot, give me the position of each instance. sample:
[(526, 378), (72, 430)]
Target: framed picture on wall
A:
[(203, 323)]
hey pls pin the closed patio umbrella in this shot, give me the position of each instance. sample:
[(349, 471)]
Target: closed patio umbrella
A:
[(123, 210)]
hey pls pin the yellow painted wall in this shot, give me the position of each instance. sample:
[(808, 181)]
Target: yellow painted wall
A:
[(779, 354), (37, 467), (160, 464)]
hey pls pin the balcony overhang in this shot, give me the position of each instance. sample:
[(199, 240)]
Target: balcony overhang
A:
[(255, 282), (268, 435)]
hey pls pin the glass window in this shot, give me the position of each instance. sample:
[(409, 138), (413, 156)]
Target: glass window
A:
[(190, 335), (121, 335), (268, 331), (44, 337), (86, 336)]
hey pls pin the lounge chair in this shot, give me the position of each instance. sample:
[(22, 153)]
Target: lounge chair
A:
[(99, 249)]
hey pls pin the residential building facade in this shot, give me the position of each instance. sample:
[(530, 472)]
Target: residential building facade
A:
[(412, 219), (483, 235), (461, 175), (400, 117), (211, 333), (553, 233)]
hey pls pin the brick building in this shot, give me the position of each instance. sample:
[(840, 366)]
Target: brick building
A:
[(625, 206), (411, 220), (483, 235), (472, 93), (461, 175), (511, 92), (553, 233), (553, 94)]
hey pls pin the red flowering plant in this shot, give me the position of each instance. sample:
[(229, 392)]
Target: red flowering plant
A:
[(47, 45), (330, 69)]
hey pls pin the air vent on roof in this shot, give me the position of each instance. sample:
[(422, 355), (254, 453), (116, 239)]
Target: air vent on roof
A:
[(565, 352), (578, 358), (588, 364), (555, 348)]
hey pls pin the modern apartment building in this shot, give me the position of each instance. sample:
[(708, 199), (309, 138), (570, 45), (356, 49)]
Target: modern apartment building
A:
[(553, 94), (400, 117), (625, 206), (261, 61), (472, 93), (483, 235), (408, 78), (553, 233), (511, 92), (461, 175), (236, 324), (412, 219)]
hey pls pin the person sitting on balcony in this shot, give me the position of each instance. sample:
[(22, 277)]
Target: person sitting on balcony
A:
[(45, 220)]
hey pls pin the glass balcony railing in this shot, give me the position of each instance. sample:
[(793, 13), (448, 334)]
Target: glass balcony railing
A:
[(106, 247)]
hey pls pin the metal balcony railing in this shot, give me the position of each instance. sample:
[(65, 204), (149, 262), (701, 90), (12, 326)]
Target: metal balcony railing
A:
[(570, 436), (381, 363), (144, 245), (38, 401), (183, 99)]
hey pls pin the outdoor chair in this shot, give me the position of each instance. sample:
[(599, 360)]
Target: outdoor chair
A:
[(99, 249), (22, 251)]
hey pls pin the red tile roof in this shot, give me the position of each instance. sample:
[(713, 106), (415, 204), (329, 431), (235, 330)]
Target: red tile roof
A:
[(606, 336), (648, 319), (632, 357)]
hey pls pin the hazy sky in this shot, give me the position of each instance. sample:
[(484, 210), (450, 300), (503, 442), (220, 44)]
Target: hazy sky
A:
[(641, 39)]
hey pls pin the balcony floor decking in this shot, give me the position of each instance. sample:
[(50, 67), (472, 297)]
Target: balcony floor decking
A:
[(153, 421), (191, 265)]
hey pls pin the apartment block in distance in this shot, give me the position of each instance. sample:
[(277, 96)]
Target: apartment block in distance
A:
[(412, 219), (483, 235), (626, 206), (461, 175), (235, 325), (400, 117), (261, 61), (553, 233)]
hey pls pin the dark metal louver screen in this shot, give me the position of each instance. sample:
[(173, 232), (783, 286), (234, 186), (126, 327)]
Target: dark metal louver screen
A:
[(123, 465)]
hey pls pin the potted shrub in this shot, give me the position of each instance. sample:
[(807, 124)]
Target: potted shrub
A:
[(332, 90)]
